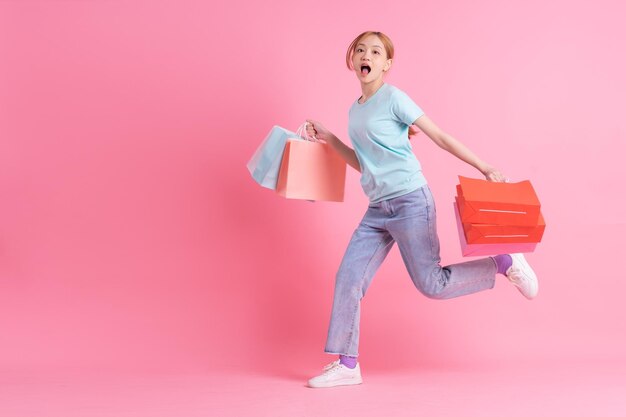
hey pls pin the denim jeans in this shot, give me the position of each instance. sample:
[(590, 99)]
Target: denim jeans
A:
[(409, 220)]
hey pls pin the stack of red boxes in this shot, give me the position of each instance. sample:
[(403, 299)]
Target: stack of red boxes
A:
[(497, 217)]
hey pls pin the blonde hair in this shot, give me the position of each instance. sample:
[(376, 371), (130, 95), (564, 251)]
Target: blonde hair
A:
[(387, 44)]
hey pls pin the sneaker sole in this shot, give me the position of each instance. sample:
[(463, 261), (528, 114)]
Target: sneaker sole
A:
[(338, 383), (524, 266)]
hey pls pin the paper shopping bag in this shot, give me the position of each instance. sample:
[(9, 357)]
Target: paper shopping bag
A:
[(496, 233), (504, 203), (311, 171), (265, 161), (481, 249), (500, 233)]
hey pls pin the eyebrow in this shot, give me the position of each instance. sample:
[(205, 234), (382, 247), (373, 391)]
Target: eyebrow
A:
[(374, 46)]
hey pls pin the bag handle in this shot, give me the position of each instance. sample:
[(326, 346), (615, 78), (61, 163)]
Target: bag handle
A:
[(302, 133)]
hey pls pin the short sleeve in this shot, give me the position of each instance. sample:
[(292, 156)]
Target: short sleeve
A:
[(404, 109)]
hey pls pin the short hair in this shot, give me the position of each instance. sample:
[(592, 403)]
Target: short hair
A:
[(388, 45)]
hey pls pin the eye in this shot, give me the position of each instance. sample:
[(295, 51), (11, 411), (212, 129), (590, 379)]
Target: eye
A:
[(359, 49), (376, 52)]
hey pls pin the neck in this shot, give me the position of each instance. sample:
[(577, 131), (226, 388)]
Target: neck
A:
[(368, 89)]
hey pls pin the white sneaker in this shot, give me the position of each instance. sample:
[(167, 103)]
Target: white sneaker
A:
[(522, 276), (336, 374)]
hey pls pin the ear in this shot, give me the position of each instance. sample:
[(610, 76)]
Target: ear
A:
[(387, 66)]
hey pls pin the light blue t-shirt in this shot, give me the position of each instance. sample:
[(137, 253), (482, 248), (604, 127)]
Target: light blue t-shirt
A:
[(378, 130)]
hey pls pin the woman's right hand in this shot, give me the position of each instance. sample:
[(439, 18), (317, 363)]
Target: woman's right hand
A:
[(318, 131)]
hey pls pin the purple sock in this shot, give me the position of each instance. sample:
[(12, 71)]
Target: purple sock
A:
[(503, 262), (348, 361)]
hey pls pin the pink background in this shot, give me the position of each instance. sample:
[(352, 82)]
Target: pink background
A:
[(133, 238)]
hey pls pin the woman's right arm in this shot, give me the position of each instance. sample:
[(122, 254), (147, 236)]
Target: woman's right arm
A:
[(316, 129)]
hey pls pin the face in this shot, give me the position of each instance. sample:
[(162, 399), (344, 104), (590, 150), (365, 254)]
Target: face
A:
[(370, 59)]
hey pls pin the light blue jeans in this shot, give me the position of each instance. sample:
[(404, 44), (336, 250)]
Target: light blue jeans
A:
[(409, 220)]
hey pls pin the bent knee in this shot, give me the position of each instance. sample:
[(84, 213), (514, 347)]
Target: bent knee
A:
[(434, 295), (435, 291)]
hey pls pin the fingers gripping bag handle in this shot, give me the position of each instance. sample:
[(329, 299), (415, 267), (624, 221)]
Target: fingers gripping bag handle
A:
[(302, 133)]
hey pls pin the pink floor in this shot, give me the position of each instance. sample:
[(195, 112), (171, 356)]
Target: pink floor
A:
[(572, 390)]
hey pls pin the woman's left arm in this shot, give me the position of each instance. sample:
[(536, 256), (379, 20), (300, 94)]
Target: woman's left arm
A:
[(456, 148)]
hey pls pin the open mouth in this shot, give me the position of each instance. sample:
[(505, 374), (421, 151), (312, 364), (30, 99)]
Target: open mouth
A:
[(365, 69)]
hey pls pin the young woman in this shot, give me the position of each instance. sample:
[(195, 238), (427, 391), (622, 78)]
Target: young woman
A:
[(401, 207)]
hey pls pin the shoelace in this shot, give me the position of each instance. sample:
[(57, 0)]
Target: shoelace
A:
[(515, 277), (331, 365), (332, 370)]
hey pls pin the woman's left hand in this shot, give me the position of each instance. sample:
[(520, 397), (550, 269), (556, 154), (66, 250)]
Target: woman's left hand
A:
[(492, 174)]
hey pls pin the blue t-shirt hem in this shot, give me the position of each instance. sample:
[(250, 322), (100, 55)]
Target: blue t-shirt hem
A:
[(399, 193)]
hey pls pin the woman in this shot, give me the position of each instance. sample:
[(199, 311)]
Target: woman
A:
[(401, 207)]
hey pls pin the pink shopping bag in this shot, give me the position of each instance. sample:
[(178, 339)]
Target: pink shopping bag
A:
[(311, 171)]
